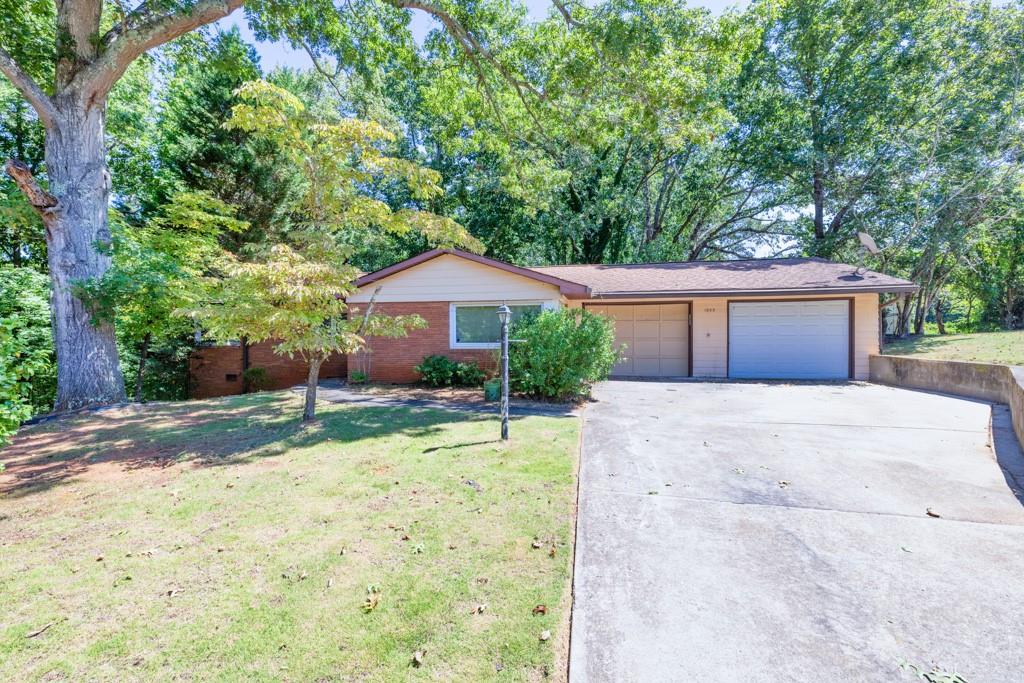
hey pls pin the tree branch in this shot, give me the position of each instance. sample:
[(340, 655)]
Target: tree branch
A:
[(41, 200), (143, 29), (29, 89), (566, 15)]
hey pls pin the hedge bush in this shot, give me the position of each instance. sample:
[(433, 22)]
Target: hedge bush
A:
[(561, 353), (442, 371), (469, 375), (437, 371)]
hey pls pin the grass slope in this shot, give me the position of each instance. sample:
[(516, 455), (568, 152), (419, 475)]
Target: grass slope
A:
[(1006, 348), (219, 540)]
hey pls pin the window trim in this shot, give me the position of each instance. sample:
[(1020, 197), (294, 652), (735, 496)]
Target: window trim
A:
[(453, 344)]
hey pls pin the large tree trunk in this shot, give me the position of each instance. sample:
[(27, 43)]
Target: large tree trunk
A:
[(88, 371), (903, 316), (309, 410), (143, 356), (1008, 316)]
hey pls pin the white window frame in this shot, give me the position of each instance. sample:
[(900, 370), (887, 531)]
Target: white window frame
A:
[(452, 344)]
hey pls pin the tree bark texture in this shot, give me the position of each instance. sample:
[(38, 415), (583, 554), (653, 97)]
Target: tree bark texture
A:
[(309, 410), (143, 356), (77, 241)]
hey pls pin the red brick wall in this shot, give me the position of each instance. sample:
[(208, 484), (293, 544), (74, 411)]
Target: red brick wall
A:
[(284, 372), (208, 369), (210, 366), (393, 360)]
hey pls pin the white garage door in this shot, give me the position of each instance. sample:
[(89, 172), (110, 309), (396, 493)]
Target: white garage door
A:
[(656, 337), (789, 339)]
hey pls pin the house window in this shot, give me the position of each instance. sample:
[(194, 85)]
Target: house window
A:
[(476, 326)]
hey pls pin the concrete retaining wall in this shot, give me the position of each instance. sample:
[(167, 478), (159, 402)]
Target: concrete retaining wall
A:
[(987, 381)]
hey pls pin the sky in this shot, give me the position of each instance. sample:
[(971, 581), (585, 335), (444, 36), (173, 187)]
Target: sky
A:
[(280, 54)]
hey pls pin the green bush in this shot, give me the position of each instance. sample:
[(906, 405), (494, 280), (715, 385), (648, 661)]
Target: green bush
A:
[(19, 363), (442, 371), (358, 377), (469, 375), (437, 371), (255, 379), (561, 353), (27, 364)]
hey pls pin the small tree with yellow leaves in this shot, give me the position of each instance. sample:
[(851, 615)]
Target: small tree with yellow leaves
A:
[(295, 293)]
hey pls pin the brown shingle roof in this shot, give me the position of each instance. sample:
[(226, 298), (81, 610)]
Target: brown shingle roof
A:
[(757, 276)]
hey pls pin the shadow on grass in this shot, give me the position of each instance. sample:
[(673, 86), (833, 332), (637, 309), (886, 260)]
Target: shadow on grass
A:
[(923, 344), (200, 433)]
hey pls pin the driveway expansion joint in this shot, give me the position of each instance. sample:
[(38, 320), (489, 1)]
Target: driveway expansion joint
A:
[(810, 508)]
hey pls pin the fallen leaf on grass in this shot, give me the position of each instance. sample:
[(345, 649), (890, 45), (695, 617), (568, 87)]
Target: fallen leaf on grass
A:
[(540, 609), (479, 609), (372, 598), (551, 553), (371, 602)]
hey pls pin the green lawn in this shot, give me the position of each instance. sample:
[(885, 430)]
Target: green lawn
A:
[(219, 540), (986, 347)]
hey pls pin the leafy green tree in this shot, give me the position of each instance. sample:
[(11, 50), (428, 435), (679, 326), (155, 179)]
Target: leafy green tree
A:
[(153, 269), (295, 293), (27, 371), (196, 152)]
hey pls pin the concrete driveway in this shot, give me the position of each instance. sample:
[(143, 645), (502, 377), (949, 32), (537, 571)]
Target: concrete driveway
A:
[(778, 532)]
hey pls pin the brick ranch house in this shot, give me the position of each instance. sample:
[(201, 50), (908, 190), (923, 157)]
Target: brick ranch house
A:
[(792, 318)]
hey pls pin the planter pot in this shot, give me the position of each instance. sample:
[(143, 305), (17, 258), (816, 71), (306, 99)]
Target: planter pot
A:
[(492, 390)]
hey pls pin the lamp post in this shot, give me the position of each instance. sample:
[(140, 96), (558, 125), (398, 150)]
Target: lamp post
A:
[(504, 315)]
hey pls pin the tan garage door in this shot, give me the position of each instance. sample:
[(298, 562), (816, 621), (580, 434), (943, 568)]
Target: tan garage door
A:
[(656, 338)]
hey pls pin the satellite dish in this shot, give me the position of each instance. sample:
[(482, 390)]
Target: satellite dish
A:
[(868, 243)]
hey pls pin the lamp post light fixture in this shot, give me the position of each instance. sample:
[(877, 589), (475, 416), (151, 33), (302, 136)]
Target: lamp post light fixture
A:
[(504, 315)]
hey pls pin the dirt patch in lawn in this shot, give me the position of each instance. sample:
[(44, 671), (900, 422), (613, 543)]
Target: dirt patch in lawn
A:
[(111, 443)]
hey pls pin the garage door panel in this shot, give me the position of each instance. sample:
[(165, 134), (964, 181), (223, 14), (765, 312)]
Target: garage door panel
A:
[(620, 312), (647, 367), (672, 348), (647, 328), (673, 367), (674, 312), (673, 329), (646, 348), (789, 340)]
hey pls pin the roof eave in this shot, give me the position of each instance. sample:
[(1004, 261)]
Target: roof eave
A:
[(647, 294)]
